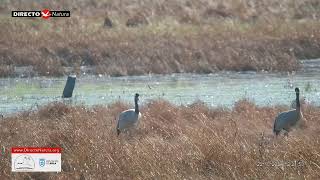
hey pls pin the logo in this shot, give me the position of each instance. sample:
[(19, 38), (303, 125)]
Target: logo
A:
[(42, 162), (36, 159), (45, 14), (24, 162)]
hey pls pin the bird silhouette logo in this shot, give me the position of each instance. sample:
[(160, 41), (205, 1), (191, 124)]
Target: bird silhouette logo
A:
[(45, 14)]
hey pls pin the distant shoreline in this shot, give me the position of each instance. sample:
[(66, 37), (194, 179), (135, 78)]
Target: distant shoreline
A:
[(142, 53), (306, 65), (161, 38)]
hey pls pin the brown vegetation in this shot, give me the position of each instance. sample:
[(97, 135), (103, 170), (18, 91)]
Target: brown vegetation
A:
[(172, 142), (171, 36)]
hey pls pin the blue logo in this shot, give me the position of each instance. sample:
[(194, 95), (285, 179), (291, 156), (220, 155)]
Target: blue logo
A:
[(42, 162)]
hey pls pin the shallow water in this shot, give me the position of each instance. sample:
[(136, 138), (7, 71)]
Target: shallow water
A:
[(221, 89)]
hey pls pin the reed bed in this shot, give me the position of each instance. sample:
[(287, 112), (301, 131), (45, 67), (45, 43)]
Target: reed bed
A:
[(171, 142)]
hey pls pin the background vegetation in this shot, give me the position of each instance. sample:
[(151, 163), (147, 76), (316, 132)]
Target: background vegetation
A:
[(172, 142), (150, 36)]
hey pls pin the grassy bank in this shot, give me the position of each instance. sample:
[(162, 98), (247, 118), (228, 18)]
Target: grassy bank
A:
[(160, 37), (172, 142)]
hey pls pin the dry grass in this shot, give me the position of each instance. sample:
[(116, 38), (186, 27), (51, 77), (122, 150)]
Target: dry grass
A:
[(172, 142), (167, 37)]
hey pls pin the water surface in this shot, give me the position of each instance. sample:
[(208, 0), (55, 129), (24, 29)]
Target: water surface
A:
[(221, 89)]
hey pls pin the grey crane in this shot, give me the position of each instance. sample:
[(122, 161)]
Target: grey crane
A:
[(129, 118), (288, 119)]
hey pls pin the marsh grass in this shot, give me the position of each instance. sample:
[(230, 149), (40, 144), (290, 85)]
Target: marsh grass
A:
[(172, 142), (176, 36)]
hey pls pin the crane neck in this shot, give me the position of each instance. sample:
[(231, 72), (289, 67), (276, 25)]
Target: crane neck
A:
[(297, 101), (136, 106)]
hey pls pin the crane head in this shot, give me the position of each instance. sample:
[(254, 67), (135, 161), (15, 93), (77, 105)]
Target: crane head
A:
[(136, 97)]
